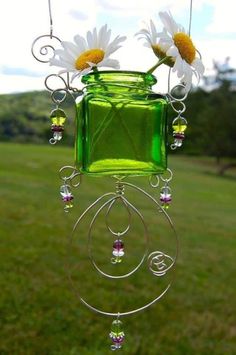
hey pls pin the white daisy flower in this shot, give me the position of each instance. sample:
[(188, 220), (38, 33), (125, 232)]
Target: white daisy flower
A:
[(181, 50), (83, 55), (152, 40)]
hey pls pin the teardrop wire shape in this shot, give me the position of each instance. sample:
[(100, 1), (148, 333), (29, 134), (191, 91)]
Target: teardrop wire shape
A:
[(151, 181), (165, 290), (111, 203)]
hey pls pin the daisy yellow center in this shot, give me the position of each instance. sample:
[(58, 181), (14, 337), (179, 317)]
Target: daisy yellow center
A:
[(92, 55), (185, 46), (157, 50), (161, 54)]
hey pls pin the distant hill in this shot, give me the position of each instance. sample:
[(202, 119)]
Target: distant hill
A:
[(24, 117)]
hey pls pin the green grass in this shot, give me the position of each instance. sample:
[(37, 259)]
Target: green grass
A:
[(39, 312)]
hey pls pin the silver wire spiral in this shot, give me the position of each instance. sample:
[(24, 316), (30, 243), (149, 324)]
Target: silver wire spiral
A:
[(158, 262), (43, 52)]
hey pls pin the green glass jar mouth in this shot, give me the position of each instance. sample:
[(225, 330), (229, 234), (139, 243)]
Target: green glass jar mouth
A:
[(118, 77)]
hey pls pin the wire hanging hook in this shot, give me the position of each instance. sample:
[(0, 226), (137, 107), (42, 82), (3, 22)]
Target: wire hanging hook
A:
[(50, 18), (190, 17)]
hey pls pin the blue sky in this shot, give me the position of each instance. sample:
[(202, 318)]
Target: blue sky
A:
[(213, 32)]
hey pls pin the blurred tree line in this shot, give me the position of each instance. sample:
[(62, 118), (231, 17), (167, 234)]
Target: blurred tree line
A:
[(211, 121), (25, 117)]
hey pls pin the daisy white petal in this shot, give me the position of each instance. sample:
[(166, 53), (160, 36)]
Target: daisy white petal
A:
[(95, 37), (90, 39), (111, 63), (76, 74), (61, 63), (83, 55), (182, 49), (197, 64), (153, 31), (63, 55), (70, 48), (172, 51), (101, 34), (187, 78), (169, 23), (178, 66), (80, 42), (151, 37), (104, 38)]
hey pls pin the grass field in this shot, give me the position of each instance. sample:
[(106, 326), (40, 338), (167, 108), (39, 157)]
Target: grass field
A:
[(39, 312)]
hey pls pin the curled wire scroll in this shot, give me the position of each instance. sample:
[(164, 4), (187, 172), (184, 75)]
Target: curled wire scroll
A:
[(69, 174), (158, 262), (43, 52)]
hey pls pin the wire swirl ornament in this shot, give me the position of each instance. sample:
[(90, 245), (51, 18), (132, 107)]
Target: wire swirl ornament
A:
[(42, 51), (159, 263), (71, 175)]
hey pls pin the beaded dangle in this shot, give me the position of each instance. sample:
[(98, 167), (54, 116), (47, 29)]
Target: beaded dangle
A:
[(117, 334), (58, 118), (179, 126)]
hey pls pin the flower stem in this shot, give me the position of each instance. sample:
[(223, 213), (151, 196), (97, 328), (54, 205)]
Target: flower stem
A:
[(161, 61)]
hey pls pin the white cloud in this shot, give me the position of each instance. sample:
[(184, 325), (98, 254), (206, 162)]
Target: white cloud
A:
[(145, 8), (218, 49), (223, 18)]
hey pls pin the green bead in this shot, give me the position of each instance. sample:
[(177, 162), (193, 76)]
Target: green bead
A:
[(117, 328), (58, 117), (165, 206)]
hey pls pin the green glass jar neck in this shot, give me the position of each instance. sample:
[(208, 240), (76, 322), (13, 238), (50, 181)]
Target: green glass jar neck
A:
[(119, 80)]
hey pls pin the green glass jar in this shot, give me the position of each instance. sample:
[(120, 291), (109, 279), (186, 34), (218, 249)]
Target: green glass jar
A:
[(121, 126)]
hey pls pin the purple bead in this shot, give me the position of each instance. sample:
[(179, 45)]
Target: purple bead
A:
[(165, 199), (68, 198), (178, 135), (118, 340), (118, 245), (56, 128)]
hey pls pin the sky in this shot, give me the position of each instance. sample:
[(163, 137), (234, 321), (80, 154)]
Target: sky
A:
[(213, 33)]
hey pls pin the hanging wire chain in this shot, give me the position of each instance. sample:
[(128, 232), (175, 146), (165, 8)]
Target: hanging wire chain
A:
[(190, 17)]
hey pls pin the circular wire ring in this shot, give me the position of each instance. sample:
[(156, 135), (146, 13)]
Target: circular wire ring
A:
[(167, 179), (172, 91), (151, 180), (64, 93), (54, 76), (75, 173)]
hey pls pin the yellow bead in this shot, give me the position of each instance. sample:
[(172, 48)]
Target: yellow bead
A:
[(58, 117), (179, 125)]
